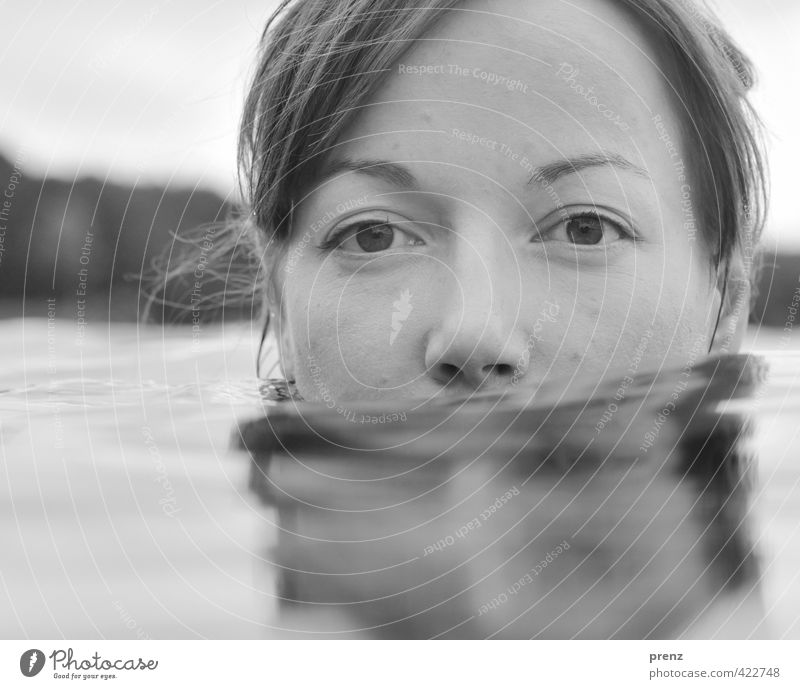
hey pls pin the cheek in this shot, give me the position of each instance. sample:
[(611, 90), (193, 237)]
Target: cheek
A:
[(653, 315), (684, 312), (599, 314), (364, 334)]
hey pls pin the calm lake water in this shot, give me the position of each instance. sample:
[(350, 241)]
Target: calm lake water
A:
[(126, 508)]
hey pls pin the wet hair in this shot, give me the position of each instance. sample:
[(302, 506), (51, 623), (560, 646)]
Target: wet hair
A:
[(320, 59)]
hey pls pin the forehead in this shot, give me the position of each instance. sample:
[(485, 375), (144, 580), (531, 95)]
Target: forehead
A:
[(545, 78)]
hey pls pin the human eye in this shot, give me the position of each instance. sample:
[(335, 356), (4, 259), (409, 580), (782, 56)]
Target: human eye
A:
[(587, 228), (370, 235)]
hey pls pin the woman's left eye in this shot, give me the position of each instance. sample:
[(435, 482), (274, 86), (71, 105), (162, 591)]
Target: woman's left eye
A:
[(369, 236), (587, 229)]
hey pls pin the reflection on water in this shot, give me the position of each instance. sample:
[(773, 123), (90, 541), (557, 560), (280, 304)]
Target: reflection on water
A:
[(623, 514), (128, 511)]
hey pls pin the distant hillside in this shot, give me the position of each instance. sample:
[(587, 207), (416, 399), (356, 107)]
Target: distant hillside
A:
[(89, 240), (777, 291), (86, 243)]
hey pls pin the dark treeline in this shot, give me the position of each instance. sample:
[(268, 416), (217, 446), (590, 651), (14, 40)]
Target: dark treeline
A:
[(99, 247), (777, 300), (101, 243)]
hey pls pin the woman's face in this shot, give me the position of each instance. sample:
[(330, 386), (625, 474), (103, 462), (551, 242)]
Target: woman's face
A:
[(512, 205)]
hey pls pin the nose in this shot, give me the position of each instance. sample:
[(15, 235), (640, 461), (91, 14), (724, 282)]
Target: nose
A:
[(478, 342), (474, 368)]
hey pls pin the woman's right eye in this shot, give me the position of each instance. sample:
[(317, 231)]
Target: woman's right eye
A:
[(369, 236)]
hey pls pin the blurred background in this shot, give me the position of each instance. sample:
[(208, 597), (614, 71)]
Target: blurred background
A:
[(119, 120)]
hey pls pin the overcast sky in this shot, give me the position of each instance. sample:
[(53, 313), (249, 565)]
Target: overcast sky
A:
[(129, 88)]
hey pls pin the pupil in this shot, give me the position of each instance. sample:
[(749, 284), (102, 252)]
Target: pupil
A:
[(587, 229), (375, 238)]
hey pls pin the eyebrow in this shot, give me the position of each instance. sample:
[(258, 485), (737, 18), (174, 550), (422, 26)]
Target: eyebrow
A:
[(400, 176), (393, 173), (549, 173)]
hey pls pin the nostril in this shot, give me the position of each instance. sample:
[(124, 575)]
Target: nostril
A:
[(487, 375), (499, 370), (448, 371)]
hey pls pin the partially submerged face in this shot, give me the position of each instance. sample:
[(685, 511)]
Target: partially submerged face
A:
[(512, 205)]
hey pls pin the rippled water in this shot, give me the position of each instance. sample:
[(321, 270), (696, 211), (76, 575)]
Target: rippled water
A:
[(129, 511)]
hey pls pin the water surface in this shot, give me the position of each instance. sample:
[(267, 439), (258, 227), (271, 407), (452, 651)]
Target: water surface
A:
[(128, 511)]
